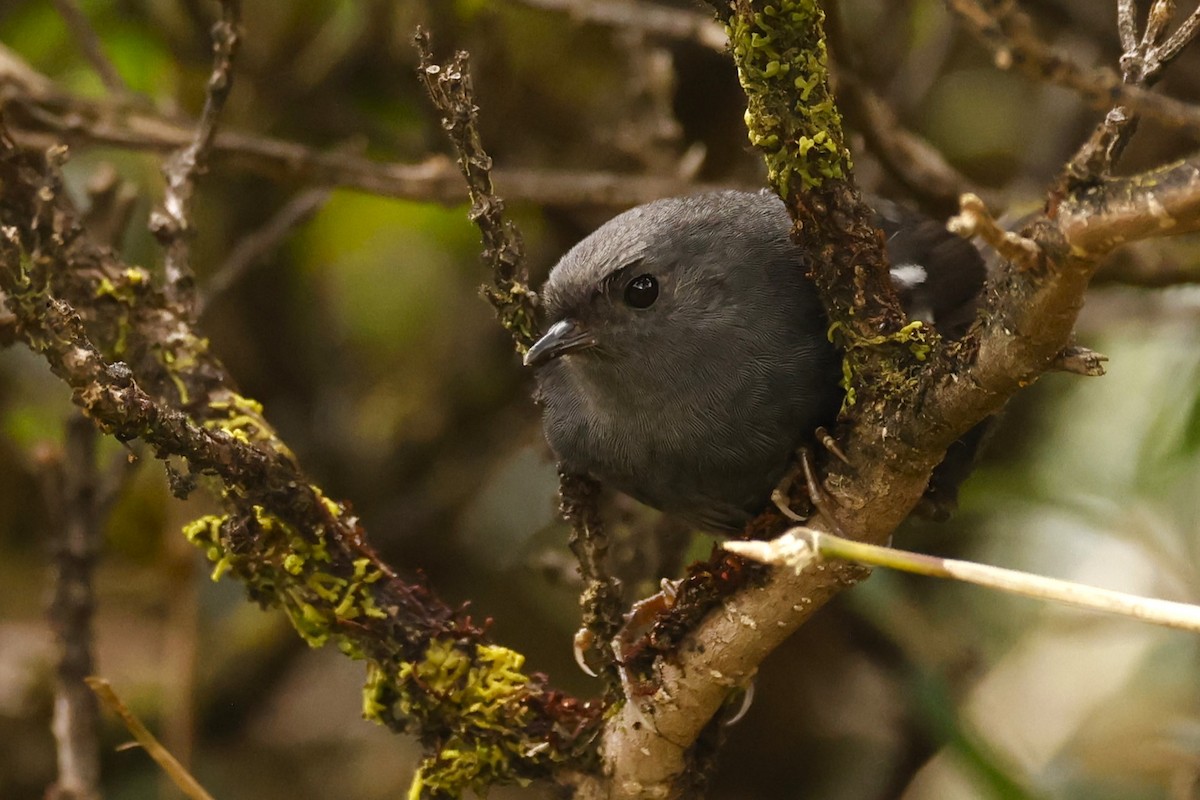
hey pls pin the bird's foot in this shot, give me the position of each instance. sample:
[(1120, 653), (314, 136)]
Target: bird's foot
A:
[(817, 496)]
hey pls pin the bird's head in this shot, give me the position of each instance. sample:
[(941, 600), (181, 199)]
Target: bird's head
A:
[(656, 288)]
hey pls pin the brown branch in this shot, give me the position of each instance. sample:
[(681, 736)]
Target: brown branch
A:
[(291, 545), (893, 442), (645, 18), (1007, 32), (171, 223), (909, 158), (81, 28), (449, 87), (258, 245), (1141, 65), (71, 493), (41, 114)]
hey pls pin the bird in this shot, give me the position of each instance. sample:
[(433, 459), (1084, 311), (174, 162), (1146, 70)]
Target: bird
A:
[(686, 353)]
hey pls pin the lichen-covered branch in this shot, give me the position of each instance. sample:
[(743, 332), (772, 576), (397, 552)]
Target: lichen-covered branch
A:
[(911, 408), (139, 371), (449, 86)]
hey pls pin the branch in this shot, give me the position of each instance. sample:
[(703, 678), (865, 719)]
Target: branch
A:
[(1007, 32), (73, 504), (1141, 65), (182, 779), (290, 544), (800, 547), (258, 245), (909, 412), (642, 17), (450, 89), (42, 114), (93, 50), (171, 223)]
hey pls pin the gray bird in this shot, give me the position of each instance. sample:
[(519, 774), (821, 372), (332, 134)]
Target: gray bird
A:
[(687, 355)]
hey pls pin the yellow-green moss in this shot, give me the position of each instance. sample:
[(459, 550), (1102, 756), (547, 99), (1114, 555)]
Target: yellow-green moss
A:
[(790, 113), (917, 338), (474, 692)]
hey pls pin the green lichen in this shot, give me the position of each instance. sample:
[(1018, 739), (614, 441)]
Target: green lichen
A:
[(790, 113), (514, 304), (476, 694), (916, 338), (471, 695)]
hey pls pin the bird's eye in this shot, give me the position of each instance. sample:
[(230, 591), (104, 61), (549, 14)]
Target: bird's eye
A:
[(642, 291)]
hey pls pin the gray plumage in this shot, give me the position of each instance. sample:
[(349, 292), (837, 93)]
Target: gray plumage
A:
[(696, 403)]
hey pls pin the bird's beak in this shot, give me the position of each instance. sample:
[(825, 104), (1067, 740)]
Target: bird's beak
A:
[(564, 336)]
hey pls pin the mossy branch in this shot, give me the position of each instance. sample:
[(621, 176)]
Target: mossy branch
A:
[(139, 370)]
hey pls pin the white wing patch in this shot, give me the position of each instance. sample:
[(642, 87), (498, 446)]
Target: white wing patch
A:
[(909, 275)]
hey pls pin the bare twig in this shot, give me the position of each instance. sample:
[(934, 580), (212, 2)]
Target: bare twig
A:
[(42, 114), (646, 18), (1141, 65), (171, 223), (89, 42), (257, 246), (800, 547), (975, 220), (450, 89), (174, 770), (912, 160), (601, 599), (71, 495), (1007, 31), (1127, 24), (1079, 360)]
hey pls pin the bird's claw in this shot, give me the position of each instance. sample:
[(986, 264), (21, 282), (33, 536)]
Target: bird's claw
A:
[(830, 444)]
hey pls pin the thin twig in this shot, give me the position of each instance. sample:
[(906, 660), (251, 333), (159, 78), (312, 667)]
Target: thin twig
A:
[(1178, 40), (648, 18), (449, 87), (175, 771), (1008, 33), (258, 245), (974, 219), (71, 495), (41, 114), (1127, 24), (171, 223), (799, 547), (92, 48), (601, 601), (1142, 64)]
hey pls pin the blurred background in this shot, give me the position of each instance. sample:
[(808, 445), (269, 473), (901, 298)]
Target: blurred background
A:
[(363, 335)]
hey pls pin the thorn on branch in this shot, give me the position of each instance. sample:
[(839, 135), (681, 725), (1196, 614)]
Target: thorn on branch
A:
[(1080, 361)]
